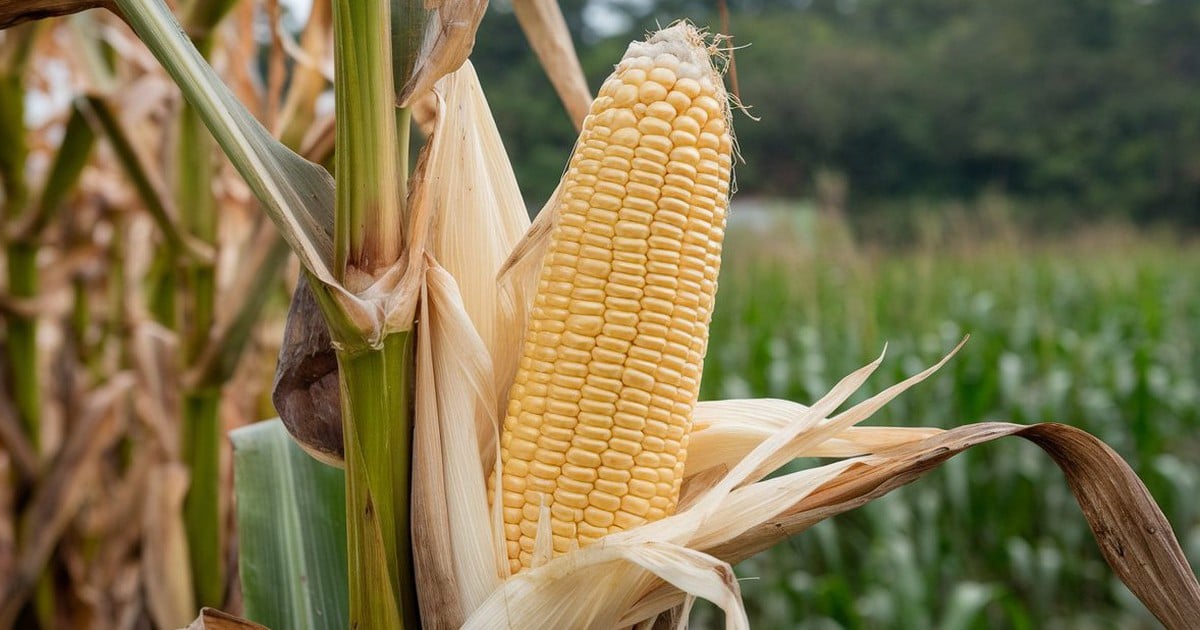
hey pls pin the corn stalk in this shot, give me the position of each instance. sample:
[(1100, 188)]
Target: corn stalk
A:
[(202, 431)]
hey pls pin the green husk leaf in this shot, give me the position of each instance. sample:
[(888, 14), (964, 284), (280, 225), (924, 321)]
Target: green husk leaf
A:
[(291, 518)]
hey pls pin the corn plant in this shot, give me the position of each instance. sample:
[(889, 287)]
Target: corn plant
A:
[(443, 303)]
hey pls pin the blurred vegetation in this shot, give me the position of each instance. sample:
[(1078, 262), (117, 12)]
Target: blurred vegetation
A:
[(1101, 331), (1075, 108)]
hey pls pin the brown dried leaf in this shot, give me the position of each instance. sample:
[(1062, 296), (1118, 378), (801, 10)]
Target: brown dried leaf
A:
[(57, 498), (167, 577), (22, 458), (1134, 536), (312, 71), (448, 40), (546, 29), (14, 12), (306, 393), (8, 540), (212, 619)]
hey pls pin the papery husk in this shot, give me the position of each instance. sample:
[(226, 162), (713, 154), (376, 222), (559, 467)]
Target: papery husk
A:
[(471, 229), (724, 432), (1134, 536), (447, 42), (458, 563), (474, 226), (590, 588)]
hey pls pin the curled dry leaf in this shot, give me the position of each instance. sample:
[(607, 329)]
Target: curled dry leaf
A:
[(1134, 536), (448, 40), (306, 393)]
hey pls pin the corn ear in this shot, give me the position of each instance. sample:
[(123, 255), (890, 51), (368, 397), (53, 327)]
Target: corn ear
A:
[(600, 411)]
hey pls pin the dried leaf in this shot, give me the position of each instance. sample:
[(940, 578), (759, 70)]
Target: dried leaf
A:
[(448, 40), (14, 12), (453, 407), (589, 588), (60, 493), (546, 30), (723, 432), (22, 458), (212, 619), (1134, 536), (8, 540), (168, 577)]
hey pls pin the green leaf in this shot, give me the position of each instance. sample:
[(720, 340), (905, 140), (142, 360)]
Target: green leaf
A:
[(14, 52), (291, 518), (408, 31), (297, 194), (69, 161)]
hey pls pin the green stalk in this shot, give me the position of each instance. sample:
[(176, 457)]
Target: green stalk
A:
[(22, 340), (367, 228), (202, 506), (376, 388), (22, 253), (201, 420), (375, 379)]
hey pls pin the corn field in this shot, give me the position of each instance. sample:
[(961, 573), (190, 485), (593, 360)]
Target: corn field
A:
[(1097, 330), (491, 421)]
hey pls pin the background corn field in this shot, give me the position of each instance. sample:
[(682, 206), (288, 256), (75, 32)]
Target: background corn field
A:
[(1098, 329)]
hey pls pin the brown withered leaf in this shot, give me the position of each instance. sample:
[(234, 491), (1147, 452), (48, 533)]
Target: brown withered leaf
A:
[(213, 619), (57, 497), (546, 30), (23, 464), (448, 40), (1134, 536), (14, 12), (306, 393), (168, 580), (8, 539)]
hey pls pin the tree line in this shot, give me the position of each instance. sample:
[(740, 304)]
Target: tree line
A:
[(1076, 108)]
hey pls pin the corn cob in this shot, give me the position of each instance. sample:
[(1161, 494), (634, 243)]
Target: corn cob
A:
[(598, 416)]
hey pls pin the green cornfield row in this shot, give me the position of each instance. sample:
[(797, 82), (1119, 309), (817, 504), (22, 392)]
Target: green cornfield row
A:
[(1100, 330)]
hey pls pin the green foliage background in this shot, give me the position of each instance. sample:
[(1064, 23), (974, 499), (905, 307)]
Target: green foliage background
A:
[(1076, 108)]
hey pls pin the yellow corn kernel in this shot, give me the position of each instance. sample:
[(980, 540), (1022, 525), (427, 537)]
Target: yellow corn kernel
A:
[(627, 288)]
